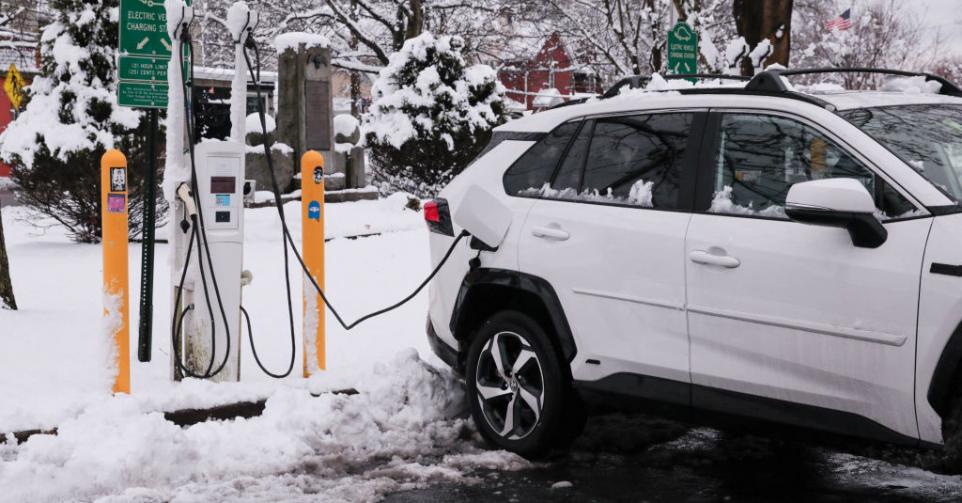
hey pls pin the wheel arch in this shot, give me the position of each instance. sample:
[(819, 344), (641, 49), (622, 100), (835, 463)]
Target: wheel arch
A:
[(486, 291), (947, 374)]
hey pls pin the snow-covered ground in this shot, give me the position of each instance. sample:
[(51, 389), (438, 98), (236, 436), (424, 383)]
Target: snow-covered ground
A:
[(402, 430)]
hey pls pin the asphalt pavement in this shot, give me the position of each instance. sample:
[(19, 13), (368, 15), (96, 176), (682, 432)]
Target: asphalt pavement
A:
[(636, 458)]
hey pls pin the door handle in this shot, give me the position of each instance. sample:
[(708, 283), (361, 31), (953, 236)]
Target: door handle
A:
[(703, 257), (554, 232)]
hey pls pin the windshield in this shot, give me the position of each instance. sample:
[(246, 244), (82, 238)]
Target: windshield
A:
[(927, 137)]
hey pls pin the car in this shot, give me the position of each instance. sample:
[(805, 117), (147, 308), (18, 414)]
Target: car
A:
[(754, 255)]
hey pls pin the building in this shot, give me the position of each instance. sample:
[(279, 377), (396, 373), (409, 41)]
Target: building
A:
[(548, 78)]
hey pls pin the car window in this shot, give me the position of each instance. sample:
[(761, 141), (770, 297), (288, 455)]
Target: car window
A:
[(759, 157), (534, 169), (631, 160)]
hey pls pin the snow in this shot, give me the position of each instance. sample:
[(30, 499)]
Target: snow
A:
[(294, 40), (722, 203), (240, 22), (547, 98), (640, 194), (405, 414), (564, 484), (911, 85), (345, 125), (406, 428), (401, 112), (253, 124), (41, 117)]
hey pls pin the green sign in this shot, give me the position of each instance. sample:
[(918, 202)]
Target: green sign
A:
[(143, 28), (145, 50), (682, 50), (143, 69)]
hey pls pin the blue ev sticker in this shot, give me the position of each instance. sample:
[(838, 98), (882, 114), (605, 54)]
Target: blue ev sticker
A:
[(223, 199), (314, 211)]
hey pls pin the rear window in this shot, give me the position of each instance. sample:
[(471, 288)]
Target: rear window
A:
[(535, 167)]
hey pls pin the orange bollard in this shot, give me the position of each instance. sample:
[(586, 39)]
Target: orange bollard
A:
[(312, 239), (113, 210)]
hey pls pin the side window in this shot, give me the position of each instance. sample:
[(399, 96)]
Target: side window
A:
[(637, 160), (534, 169), (759, 157)]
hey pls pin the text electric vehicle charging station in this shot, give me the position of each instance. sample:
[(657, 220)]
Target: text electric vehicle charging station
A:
[(208, 216)]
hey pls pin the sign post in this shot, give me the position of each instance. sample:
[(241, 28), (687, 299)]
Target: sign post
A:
[(113, 211), (682, 50), (145, 50), (312, 239)]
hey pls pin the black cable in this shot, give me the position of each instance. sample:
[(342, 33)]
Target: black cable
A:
[(201, 233), (290, 240)]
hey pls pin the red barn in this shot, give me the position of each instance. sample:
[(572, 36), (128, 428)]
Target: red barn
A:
[(547, 78)]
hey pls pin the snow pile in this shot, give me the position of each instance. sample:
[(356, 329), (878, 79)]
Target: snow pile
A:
[(640, 194), (547, 98), (400, 432), (723, 203), (293, 40), (253, 123), (432, 105), (345, 125), (911, 85)]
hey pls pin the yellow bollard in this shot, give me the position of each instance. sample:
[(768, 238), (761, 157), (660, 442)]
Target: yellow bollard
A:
[(312, 239), (113, 210)]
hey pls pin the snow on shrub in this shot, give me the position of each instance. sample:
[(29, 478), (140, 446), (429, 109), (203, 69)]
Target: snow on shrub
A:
[(72, 117), (431, 114)]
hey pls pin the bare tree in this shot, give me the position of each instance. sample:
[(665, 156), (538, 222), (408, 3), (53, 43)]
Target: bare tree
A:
[(884, 34)]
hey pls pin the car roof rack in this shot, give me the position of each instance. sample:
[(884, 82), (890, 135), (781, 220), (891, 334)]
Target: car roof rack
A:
[(769, 80), (637, 81)]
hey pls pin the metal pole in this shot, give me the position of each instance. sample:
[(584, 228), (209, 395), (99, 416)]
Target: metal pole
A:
[(147, 247)]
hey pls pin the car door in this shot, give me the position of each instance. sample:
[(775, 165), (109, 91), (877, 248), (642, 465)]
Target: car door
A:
[(792, 321), (608, 234)]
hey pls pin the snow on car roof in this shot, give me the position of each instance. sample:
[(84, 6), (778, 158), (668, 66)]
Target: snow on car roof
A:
[(660, 98)]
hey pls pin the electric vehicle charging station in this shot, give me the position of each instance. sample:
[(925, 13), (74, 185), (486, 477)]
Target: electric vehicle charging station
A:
[(219, 167), (205, 185)]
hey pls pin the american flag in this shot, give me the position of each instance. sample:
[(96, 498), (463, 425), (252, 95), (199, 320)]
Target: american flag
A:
[(842, 22)]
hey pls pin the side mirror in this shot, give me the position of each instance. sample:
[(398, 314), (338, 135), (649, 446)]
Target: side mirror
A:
[(837, 202)]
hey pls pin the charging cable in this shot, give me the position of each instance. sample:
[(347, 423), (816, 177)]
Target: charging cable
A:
[(286, 231)]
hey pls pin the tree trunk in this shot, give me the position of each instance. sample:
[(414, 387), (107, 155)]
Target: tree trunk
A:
[(355, 75), (757, 20), (7, 300)]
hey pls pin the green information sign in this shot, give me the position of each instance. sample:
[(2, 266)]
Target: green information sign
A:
[(143, 28), (145, 50), (682, 50)]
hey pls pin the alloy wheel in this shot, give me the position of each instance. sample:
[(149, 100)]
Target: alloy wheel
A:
[(510, 385)]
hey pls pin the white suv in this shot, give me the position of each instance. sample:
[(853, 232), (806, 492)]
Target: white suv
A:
[(758, 253)]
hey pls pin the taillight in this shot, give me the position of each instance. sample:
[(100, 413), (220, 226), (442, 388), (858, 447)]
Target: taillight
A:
[(431, 212), (438, 217)]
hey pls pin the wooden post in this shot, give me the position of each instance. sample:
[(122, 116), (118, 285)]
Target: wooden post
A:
[(312, 239), (113, 210)]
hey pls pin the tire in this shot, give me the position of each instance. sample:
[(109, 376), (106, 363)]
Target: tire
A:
[(952, 436), (527, 377)]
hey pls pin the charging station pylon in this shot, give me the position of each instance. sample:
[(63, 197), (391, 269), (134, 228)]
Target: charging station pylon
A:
[(113, 211), (312, 245)]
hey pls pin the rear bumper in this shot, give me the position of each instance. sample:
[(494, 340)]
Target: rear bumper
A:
[(446, 353)]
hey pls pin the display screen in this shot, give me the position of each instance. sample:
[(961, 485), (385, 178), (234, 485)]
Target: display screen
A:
[(223, 184)]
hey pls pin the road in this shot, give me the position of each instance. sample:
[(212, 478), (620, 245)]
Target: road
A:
[(636, 458)]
